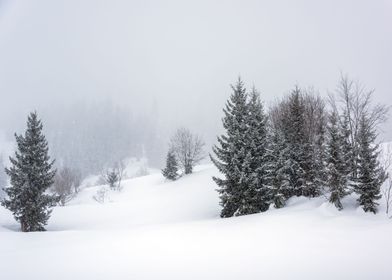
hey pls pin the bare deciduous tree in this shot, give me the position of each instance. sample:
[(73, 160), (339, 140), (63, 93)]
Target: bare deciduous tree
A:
[(386, 162), (188, 149), (387, 193), (356, 101), (66, 184), (356, 104), (101, 195), (315, 114)]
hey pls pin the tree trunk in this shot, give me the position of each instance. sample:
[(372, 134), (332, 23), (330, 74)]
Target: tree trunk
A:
[(23, 226)]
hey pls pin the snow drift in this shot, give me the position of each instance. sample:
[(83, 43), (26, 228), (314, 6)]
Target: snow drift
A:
[(156, 229)]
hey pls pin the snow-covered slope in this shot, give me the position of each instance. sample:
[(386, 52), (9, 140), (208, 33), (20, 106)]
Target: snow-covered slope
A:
[(171, 230)]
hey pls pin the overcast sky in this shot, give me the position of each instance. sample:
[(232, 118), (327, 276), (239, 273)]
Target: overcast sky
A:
[(179, 57)]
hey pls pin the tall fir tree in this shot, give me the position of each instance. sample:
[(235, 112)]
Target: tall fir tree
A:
[(279, 179), (301, 163), (231, 151), (255, 177), (295, 137), (171, 170), (337, 162), (31, 175), (348, 150), (320, 156), (311, 184), (370, 173)]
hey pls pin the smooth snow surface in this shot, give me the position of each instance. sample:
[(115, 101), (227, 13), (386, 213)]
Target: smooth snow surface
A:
[(171, 230)]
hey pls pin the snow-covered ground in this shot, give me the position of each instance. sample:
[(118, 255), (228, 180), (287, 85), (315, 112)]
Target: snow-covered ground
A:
[(171, 230)]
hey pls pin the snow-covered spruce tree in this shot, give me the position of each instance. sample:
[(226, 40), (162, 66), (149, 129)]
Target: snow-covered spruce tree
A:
[(255, 174), (348, 156), (31, 175), (112, 179), (231, 151), (313, 161), (348, 151), (295, 137), (370, 173), (171, 170), (311, 185), (301, 165), (320, 154), (279, 180), (337, 165)]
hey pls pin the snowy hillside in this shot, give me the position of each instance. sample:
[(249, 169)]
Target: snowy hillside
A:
[(171, 230)]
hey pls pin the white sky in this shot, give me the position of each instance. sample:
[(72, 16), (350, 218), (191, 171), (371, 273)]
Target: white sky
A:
[(179, 57)]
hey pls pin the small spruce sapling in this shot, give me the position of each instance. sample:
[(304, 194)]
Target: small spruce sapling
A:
[(171, 170)]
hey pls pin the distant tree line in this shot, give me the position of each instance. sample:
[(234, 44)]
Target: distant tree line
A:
[(303, 146), (90, 136)]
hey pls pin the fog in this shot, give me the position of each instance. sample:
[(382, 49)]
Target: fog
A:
[(159, 65)]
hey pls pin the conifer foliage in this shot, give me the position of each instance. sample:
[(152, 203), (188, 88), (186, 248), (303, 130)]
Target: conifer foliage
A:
[(231, 152), (279, 178), (31, 175), (242, 155), (257, 195), (299, 149), (295, 137), (337, 165), (370, 174), (171, 170)]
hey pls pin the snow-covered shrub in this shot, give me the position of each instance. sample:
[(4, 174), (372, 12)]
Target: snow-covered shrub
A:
[(66, 184), (102, 195)]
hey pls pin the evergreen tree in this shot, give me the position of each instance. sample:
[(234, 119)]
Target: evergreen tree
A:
[(232, 151), (112, 178), (171, 169), (295, 137), (255, 175), (320, 157), (348, 151), (301, 164), (279, 179), (311, 184), (337, 165), (31, 174), (370, 173)]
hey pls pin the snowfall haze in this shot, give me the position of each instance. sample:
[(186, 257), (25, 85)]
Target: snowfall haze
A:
[(172, 61), (278, 185)]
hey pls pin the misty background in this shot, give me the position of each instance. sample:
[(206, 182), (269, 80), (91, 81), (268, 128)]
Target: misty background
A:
[(116, 78)]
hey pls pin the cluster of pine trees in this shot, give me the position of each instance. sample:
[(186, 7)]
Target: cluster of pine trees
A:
[(298, 148)]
